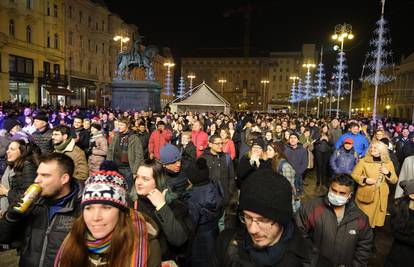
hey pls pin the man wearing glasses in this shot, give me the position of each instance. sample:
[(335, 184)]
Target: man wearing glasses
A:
[(269, 236)]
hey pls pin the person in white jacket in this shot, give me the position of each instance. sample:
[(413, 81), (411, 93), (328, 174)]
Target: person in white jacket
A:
[(407, 173)]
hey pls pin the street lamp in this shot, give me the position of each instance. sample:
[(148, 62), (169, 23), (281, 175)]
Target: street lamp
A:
[(169, 65), (222, 81), (122, 39), (264, 82), (294, 78), (308, 84), (191, 77), (342, 32)]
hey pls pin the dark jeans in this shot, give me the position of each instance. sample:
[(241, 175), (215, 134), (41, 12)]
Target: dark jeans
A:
[(126, 172), (298, 184), (322, 167)]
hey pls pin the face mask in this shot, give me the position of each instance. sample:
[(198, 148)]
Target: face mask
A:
[(336, 200)]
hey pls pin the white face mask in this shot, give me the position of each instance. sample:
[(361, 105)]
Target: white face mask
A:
[(336, 200)]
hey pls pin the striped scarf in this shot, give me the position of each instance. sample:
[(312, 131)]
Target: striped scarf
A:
[(139, 256)]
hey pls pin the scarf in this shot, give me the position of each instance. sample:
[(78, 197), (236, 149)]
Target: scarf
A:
[(139, 255), (59, 148)]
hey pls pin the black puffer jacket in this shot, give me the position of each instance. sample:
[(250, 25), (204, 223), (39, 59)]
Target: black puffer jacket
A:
[(42, 237), (20, 181), (346, 244), (43, 140)]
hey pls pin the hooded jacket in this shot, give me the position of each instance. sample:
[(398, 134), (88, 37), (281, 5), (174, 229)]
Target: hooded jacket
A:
[(343, 161)]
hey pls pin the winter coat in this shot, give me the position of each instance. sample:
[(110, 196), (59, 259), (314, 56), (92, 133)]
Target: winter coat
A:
[(402, 249), (188, 155), (43, 140), (221, 170), (83, 134), (177, 182), (298, 158), (4, 143), (395, 162), (346, 244), (245, 168), (335, 133), (343, 161), (157, 141), (407, 173), (360, 142), (199, 139), (229, 148), (135, 152), (81, 171), (206, 207), (144, 137), (41, 238), (368, 168), (99, 151), (20, 181), (399, 148), (230, 251), (174, 223)]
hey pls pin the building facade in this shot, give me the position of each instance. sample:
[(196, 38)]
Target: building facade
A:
[(31, 50), (255, 83)]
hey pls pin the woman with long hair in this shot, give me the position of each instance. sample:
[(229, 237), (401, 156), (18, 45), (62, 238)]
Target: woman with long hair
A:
[(228, 145), (108, 233), (402, 225), (373, 173), (154, 199), (323, 147), (22, 162)]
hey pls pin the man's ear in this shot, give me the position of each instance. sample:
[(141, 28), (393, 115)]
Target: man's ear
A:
[(65, 179)]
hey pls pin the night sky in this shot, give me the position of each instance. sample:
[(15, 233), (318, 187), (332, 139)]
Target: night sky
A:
[(207, 28)]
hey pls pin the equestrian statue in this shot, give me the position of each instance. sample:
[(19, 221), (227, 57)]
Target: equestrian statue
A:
[(136, 58)]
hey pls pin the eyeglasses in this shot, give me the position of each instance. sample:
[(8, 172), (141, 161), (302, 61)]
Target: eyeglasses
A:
[(262, 223)]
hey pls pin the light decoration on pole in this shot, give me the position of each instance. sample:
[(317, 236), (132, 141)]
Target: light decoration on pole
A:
[(121, 39), (379, 58), (190, 88), (342, 33), (222, 81), (169, 65), (299, 93), (308, 85), (320, 82), (264, 82), (293, 92), (181, 87)]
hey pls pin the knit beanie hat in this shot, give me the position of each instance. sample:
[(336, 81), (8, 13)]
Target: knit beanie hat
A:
[(169, 154), (198, 172), (259, 142), (407, 186), (9, 123), (106, 187), (42, 116), (268, 194), (96, 126)]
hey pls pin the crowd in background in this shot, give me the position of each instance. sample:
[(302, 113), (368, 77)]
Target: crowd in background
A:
[(192, 181)]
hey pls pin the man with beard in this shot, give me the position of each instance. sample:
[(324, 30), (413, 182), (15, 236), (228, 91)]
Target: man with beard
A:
[(65, 144), (338, 228)]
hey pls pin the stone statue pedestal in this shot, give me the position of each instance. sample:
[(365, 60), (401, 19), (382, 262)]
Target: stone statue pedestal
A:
[(136, 95)]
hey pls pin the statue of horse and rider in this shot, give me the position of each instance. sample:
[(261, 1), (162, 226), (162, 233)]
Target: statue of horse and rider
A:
[(134, 58)]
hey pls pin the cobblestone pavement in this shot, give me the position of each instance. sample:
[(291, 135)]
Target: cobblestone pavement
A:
[(383, 240)]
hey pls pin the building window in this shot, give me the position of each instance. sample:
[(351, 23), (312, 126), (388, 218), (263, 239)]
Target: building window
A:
[(80, 16), (55, 10), (89, 21), (29, 4), (96, 49), (56, 39), (89, 45), (71, 38), (12, 30), (80, 64), (28, 34), (89, 67), (48, 40), (81, 41), (96, 25), (48, 8), (103, 25), (70, 12), (103, 48)]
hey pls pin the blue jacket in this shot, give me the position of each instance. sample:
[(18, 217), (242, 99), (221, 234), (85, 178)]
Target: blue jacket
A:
[(360, 142), (343, 161), (298, 158)]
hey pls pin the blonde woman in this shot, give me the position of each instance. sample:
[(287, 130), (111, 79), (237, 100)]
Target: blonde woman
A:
[(373, 173)]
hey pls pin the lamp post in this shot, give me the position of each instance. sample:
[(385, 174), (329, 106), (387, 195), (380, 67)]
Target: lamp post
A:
[(121, 39), (307, 84), (342, 32), (264, 82), (190, 88), (294, 78), (169, 65), (222, 81)]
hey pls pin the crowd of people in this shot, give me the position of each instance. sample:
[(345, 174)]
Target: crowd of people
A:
[(137, 188)]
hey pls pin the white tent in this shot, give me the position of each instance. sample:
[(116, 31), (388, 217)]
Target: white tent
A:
[(202, 99)]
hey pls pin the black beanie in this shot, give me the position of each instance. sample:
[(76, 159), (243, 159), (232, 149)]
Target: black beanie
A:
[(42, 116), (198, 172), (96, 126), (268, 194), (259, 142), (9, 123)]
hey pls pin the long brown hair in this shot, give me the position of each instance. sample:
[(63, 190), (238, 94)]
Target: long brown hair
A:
[(75, 252), (279, 148), (28, 152)]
